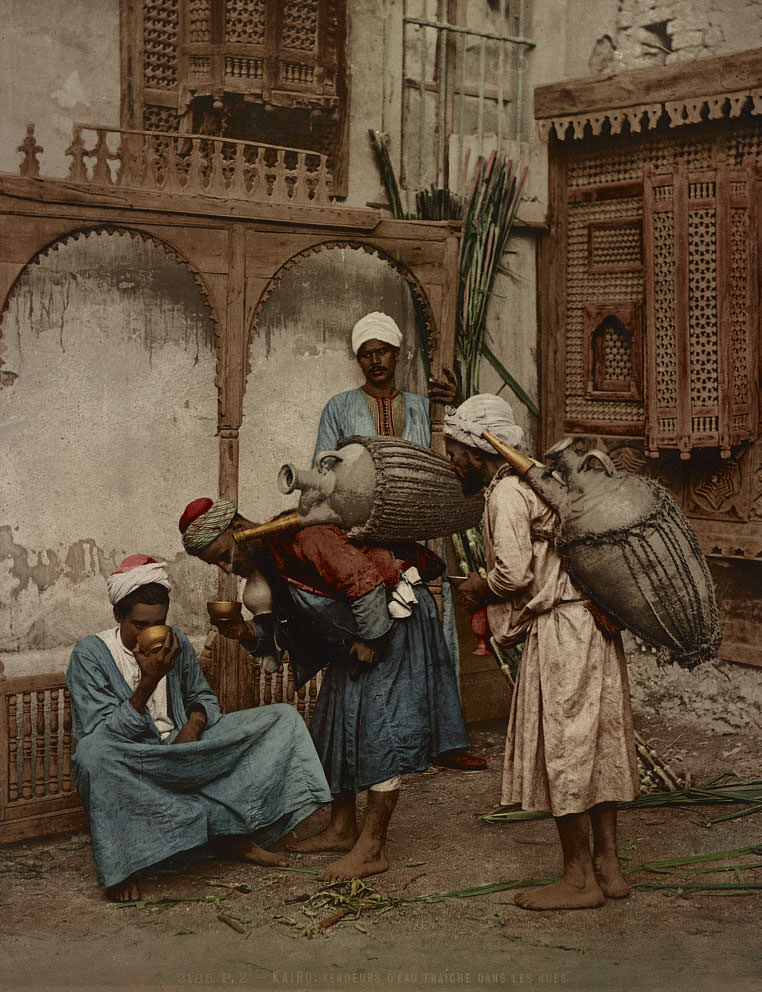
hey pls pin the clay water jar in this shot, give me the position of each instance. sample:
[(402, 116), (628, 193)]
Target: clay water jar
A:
[(152, 638)]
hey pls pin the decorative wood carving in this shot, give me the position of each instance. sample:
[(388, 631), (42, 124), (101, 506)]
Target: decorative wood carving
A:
[(243, 69), (642, 99), (701, 333), (613, 348), (32, 798)]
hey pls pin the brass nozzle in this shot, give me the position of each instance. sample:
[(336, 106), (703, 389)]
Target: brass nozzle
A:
[(290, 521), (518, 462)]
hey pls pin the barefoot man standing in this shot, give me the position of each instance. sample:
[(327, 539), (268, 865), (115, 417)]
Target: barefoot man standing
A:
[(570, 748), (158, 768)]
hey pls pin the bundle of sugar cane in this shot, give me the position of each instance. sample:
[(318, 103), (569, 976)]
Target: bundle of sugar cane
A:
[(655, 774)]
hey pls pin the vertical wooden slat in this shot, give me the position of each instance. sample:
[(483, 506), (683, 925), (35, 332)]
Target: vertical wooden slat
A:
[(54, 742), (26, 744), (67, 746), (682, 308), (651, 443), (724, 329), (13, 747), (551, 306), (39, 745)]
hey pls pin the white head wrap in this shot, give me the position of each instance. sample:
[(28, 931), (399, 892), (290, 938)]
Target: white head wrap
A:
[(134, 572), (483, 412), (375, 325)]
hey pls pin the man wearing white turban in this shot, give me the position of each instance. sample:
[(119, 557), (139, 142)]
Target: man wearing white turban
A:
[(158, 768), (378, 407), (570, 747)]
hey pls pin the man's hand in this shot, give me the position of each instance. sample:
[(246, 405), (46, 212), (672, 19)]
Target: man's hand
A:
[(235, 630), (192, 730), (474, 592), (365, 653), (153, 666), (445, 389)]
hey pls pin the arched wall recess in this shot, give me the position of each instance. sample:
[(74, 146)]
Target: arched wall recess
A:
[(300, 354), (108, 409)]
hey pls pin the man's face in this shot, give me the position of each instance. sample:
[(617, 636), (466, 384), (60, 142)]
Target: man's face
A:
[(219, 552), (141, 615), (468, 465), (378, 361)]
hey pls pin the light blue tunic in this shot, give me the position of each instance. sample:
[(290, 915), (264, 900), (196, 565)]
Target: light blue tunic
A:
[(252, 772), (346, 415)]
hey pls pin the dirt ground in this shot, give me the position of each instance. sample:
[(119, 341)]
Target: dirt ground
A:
[(58, 933)]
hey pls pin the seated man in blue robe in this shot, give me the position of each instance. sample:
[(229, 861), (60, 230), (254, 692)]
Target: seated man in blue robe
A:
[(389, 700), (158, 768), (379, 408)]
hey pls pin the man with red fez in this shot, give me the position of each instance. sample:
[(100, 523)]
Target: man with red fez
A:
[(389, 699), (158, 768)]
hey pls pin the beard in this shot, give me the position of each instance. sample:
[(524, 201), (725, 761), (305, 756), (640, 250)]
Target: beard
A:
[(472, 481)]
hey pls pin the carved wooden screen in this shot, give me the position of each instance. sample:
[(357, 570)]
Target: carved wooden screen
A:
[(699, 285), (266, 70)]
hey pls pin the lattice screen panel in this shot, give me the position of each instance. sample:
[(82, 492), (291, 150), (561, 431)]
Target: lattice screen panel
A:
[(701, 319), (160, 24), (624, 158), (590, 281), (245, 21)]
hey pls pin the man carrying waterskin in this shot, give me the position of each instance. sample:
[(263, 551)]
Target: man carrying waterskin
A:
[(570, 747), (388, 701)]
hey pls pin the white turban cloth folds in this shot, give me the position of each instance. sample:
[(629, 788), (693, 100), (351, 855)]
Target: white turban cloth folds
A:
[(375, 326), (129, 577), (483, 412)]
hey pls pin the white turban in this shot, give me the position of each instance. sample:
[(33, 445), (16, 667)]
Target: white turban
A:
[(134, 572), (375, 325), (483, 412)]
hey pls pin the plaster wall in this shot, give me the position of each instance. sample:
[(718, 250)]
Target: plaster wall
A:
[(60, 65), (108, 413)]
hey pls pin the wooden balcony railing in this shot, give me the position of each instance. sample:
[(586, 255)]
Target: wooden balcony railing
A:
[(193, 164)]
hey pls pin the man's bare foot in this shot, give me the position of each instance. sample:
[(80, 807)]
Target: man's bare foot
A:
[(329, 839), (356, 864), (562, 895), (244, 849), (125, 891), (609, 876)]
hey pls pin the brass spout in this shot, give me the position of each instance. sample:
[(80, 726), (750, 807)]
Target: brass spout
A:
[(520, 463), (290, 521)]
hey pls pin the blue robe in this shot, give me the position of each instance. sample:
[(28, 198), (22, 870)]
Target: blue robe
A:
[(252, 772), (395, 715)]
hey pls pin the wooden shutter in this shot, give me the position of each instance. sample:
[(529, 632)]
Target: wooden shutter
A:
[(701, 308)]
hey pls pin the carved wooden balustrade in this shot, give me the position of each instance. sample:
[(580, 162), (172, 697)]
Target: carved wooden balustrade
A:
[(37, 793), (190, 164)]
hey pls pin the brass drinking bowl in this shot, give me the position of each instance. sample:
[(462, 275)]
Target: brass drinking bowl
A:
[(152, 638), (223, 611)]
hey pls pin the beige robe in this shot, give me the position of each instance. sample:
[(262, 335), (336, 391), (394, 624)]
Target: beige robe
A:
[(570, 741)]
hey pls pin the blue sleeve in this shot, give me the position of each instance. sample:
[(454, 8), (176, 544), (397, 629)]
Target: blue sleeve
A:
[(193, 685), (259, 643), (95, 704), (330, 429)]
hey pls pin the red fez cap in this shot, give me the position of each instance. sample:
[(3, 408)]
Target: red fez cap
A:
[(194, 509), (132, 561)]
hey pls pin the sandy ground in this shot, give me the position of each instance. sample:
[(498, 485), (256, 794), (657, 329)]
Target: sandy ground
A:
[(59, 933)]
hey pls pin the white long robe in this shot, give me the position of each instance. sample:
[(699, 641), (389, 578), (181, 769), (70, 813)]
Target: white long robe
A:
[(570, 742)]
